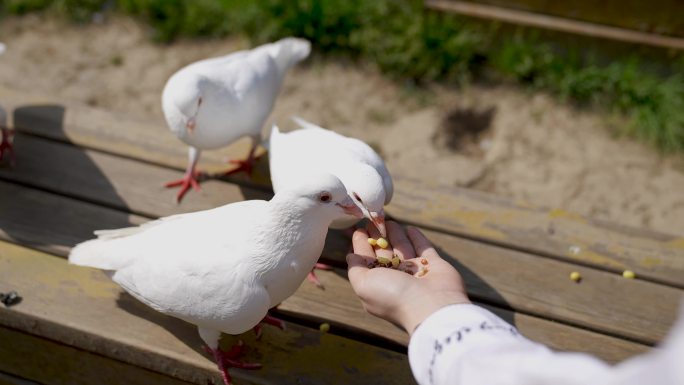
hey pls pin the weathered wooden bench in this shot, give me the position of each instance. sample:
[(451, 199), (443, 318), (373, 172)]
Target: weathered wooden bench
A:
[(80, 169)]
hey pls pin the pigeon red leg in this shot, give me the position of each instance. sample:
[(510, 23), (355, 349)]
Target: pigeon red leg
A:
[(228, 359), (189, 180), (273, 321), (312, 274), (6, 145), (246, 165), (270, 320), (191, 176)]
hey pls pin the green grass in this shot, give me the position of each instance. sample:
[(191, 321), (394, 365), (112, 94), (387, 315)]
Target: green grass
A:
[(409, 43)]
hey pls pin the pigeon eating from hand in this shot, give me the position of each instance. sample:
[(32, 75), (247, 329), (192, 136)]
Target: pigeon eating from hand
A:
[(313, 149), (222, 269), (214, 102)]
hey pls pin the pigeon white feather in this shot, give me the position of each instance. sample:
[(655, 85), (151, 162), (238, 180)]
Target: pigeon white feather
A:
[(222, 269), (313, 149), (214, 102)]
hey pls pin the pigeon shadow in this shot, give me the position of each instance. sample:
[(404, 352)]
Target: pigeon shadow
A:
[(182, 330), (486, 295), (47, 197)]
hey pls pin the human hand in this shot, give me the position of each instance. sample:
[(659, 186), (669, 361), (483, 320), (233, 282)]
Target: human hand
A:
[(403, 299)]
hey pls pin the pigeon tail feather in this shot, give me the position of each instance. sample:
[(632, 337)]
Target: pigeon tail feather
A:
[(275, 131), (290, 51), (303, 123), (95, 253)]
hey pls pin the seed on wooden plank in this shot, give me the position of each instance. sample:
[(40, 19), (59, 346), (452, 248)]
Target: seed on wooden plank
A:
[(396, 261), (382, 242), (629, 274), (324, 328), (575, 276), (372, 242)]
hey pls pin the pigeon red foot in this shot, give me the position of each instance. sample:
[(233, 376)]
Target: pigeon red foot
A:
[(189, 180), (229, 359), (312, 274), (6, 145), (246, 166), (270, 320)]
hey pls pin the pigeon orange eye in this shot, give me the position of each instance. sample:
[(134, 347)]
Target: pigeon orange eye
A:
[(325, 197)]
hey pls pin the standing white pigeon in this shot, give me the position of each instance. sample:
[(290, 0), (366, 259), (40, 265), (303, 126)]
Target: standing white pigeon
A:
[(213, 102), (314, 149), (252, 255)]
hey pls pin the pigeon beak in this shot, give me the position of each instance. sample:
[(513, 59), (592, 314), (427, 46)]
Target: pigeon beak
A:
[(190, 125), (350, 208), (378, 220)]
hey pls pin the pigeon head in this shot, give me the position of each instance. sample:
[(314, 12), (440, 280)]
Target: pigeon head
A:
[(322, 195), (365, 186), (182, 100)]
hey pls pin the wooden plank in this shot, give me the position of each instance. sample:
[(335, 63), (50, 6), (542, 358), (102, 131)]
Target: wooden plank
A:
[(52, 363), (492, 273), (82, 308), (53, 223), (338, 305), (553, 233), (81, 125), (555, 23), (639, 15), (30, 271), (7, 379), (603, 301), (114, 181), (338, 302)]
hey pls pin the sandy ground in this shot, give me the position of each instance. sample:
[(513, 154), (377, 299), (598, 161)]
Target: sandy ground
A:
[(498, 139)]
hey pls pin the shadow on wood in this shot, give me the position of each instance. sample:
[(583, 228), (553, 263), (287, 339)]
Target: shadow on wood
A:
[(185, 332), (42, 168)]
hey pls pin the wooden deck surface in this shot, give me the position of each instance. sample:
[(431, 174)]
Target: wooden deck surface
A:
[(80, 169)]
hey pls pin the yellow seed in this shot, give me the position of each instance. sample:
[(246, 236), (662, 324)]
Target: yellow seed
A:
[(384, 261), (396, 261), (575, 276), (382, 242), (372, 241), (325, 327), (629, 274)]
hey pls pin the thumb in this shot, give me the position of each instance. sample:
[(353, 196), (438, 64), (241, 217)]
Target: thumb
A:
[(356, 268)]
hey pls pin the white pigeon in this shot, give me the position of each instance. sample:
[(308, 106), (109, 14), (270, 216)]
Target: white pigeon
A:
[(213, 102), (313, 149), (222, 269)]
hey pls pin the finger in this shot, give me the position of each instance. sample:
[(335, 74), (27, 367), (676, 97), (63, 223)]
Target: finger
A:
[(361, 245), (356, 269), (379, 251), (421, 244), (401, 244)]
